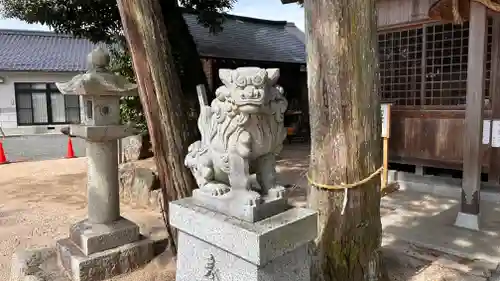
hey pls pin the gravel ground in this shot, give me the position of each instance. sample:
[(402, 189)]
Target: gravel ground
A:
[(40, 200)]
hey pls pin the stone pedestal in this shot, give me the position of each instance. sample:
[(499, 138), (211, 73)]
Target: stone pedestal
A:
[(105, 244), (101, 251), (469, 221), (214, 246), (229, 204)]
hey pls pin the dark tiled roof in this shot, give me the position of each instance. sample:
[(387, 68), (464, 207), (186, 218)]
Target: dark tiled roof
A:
[(249, 39), (42, 51), (242, 38)]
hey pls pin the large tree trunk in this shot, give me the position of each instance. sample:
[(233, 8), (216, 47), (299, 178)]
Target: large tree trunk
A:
[(345, 138), (188, 61), (160, 94)]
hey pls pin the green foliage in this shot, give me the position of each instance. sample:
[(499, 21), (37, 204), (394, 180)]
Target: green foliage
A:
[(130, 107), (99, 21), (209, 11), (121, 62), (131, 111)]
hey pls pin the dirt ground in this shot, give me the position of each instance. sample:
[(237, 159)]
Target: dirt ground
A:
[(40, 200)]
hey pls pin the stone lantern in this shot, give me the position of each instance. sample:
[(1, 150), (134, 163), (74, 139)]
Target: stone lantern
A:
[(103, 237)]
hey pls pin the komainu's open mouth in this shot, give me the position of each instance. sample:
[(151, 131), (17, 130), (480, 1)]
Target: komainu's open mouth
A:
[(249, 108)]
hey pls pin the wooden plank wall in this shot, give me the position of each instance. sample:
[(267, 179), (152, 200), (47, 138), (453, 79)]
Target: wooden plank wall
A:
[(431, 138), (402, 12)]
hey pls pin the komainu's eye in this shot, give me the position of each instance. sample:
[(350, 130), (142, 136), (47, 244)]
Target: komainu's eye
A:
[(257, 80), (259, 77), (240, 81)]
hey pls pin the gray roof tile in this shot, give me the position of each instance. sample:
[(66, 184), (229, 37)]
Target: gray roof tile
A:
[(249, 39), (42, 51), (242, 38)]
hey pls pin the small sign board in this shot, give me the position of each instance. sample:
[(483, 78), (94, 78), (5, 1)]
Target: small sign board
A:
[(486, 131), (495, 133), (386, 112)]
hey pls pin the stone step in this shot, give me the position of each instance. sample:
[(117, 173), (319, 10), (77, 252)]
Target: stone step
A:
[(106, 264)]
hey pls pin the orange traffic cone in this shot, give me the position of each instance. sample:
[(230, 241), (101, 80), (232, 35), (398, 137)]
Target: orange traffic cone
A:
[(70, 153), (3, 159)]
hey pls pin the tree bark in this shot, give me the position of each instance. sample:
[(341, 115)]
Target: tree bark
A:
[(345, 138), (160, 94), (188, 61)]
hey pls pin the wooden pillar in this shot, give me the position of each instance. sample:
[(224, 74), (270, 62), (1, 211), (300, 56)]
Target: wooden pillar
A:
[(215, 77), (207, 64), (419, 170), (468, 217), (494, 167)]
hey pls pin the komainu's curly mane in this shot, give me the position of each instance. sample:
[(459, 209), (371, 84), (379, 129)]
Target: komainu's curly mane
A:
[(242, 130)]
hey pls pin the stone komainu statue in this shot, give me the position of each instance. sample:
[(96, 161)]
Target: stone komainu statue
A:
[(241, 133)]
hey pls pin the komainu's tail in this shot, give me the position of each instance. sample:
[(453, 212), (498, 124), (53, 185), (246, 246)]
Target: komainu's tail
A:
[(205, 113)]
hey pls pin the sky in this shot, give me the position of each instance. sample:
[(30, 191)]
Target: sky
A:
[(264, 9)]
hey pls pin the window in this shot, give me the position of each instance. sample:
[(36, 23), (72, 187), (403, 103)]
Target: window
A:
[(400, 55), (43, 104), (446, 64), (426, 66)]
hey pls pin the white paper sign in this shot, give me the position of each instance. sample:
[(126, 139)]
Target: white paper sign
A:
[(385, 120), (495, 133), (486, 131)]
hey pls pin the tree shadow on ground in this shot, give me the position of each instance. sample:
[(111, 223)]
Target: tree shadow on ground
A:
[(414, 225), (426, 222)]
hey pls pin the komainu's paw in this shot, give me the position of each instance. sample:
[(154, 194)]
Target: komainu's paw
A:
[(251, 198), (277, 192), (215, 189), (254, 184)]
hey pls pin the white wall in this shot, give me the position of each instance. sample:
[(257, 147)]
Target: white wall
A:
[(8, 120)]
